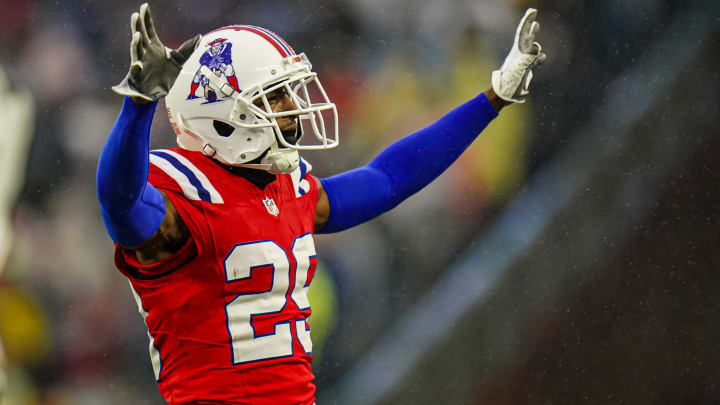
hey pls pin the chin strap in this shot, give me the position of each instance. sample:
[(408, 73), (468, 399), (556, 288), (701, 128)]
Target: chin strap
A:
[(256, 166), (277, 161)]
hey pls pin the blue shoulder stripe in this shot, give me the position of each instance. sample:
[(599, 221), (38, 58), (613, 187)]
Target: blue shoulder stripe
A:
[(195, 189)]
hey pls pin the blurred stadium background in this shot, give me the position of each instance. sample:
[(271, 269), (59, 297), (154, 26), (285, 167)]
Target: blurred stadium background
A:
[(570, 256)]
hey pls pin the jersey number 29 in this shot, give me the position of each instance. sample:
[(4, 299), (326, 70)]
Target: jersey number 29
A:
[(247, 344)]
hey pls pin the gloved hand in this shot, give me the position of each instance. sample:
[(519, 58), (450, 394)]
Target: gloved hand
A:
[(153, 66), (511, 81)]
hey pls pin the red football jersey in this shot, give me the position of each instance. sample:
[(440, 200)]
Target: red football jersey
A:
[(227, 314)]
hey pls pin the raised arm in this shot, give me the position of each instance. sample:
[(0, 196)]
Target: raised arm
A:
[(131, 208), (408, 165), (137, 215)]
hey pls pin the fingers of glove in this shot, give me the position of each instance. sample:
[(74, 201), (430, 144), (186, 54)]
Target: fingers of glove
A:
[(534, 28), (527, 40), (534, 48), (528, 44), (135, 69), (184, 51), (540, 59), (148, 23), (134, 22), (523, 28), (137, 50), (142, 28), (525, 22)]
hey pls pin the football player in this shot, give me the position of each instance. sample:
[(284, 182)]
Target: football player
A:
[(215, 236)]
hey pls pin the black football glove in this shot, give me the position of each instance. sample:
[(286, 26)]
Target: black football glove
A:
[(153, 66)]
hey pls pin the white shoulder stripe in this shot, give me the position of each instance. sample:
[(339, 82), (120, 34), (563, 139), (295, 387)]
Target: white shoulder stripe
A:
[(300, 178), (188, 189), (192, 181), (214, 195)]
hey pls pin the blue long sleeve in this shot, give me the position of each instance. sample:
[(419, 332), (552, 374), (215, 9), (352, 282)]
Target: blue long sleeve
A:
[(405, 167), (131, 208)]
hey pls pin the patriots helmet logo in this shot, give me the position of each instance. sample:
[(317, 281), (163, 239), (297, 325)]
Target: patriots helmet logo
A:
[(217, 58)]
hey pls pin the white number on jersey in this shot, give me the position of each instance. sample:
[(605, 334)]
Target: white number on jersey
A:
[(247, 346)]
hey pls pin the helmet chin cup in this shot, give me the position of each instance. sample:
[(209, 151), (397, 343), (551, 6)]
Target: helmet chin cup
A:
[(281, 161)]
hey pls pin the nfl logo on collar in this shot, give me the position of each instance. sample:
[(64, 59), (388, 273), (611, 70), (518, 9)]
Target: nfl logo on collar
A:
[(272, 209)]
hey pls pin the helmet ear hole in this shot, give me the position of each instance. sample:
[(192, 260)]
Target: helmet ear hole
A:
[(222, 128)]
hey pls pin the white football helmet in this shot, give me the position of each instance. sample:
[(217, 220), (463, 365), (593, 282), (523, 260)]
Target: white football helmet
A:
[(212, 105)]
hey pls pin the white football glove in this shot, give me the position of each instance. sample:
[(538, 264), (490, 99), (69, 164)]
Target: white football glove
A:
[(512, 80), (153, 66)]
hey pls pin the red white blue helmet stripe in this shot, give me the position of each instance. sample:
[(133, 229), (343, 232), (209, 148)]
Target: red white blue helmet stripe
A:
[(277, 38), (274, 39)]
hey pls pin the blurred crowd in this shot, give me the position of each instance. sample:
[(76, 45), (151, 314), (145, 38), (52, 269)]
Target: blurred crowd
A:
[(71, 330)]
